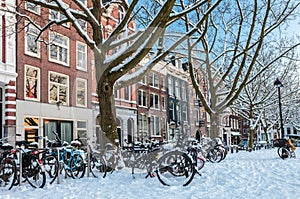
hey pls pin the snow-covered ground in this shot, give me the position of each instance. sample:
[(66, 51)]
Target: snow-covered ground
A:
[(259, 174)]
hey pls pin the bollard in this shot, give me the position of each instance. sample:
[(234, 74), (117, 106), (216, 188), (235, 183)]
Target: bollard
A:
[(237, 149), (231, 148), (58, 159), (21, 167), (89, 161)]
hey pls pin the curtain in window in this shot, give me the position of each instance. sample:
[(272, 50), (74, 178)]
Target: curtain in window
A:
[(66, 131)]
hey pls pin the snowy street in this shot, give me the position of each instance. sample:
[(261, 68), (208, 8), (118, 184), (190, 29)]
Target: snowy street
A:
[(259, 174)]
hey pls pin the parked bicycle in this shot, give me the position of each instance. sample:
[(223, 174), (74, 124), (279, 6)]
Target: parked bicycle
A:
[(284, 150), (71, 159), (8, 169), (171, 168), (29, 167), (94, 160)]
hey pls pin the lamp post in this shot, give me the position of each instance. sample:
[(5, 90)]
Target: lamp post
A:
[(278, 84)]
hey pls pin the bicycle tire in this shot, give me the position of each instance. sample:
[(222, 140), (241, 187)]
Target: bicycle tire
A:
[(77, 166), (35, 175), (51, 166), (140, 167), (175, 168), (98, 166), (283, 153), (8, 172)]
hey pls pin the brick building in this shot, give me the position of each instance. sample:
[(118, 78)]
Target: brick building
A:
[(54, 83)]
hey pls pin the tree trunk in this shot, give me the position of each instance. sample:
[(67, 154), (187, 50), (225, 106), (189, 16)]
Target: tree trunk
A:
[(107, 117), (215, 125)]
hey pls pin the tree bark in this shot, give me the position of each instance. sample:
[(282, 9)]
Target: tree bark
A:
[(107, 117)]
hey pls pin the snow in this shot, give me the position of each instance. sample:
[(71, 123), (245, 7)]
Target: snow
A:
[(256, 174)]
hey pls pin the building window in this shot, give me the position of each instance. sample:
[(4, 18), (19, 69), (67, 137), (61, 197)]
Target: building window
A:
[(184, 112), (32, 83), (58, 16), (33, 8), (82, 131), (143, 127), (178, 112), (153, 80), (177, 93), (31, 127), (162, 83), (154, 101), (184, 93), (59, 49), (58, 88), (32, 46), (143, 80), (197, 115), (163, 103), (170, 86), (63, 128), (117, 94), (155, 126), (142, 98), (171, 111), (81, 95), (127, 91), (81, 56), (83, 24)]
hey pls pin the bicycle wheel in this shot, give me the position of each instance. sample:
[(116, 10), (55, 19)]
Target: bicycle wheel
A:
[(128, 157), (141, 167), (283, 153), (50, 164), (200, 162), (215, 155), (34, 174), (175, 168), (98, 166), (77, 166), (8, 172)]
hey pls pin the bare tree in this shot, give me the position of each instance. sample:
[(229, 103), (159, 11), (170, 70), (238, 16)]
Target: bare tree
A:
[(112, 69), (259, 99), (229, 44)]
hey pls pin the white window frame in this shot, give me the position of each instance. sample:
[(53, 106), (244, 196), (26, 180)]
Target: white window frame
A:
[(141, 100), (66, 102), (171, 86), (163, 102), (78, 129), (38, 8), (127, 91), (60, 16), (155, 126), (58, 45), (84, 90), (143, 126), (155, 103), (82, 67), (33, 32), (37, 82), (177, 89)]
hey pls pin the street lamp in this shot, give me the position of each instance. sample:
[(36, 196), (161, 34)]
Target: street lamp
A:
[(278, 84)]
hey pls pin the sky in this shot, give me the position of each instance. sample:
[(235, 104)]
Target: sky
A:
[(257, 174)]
